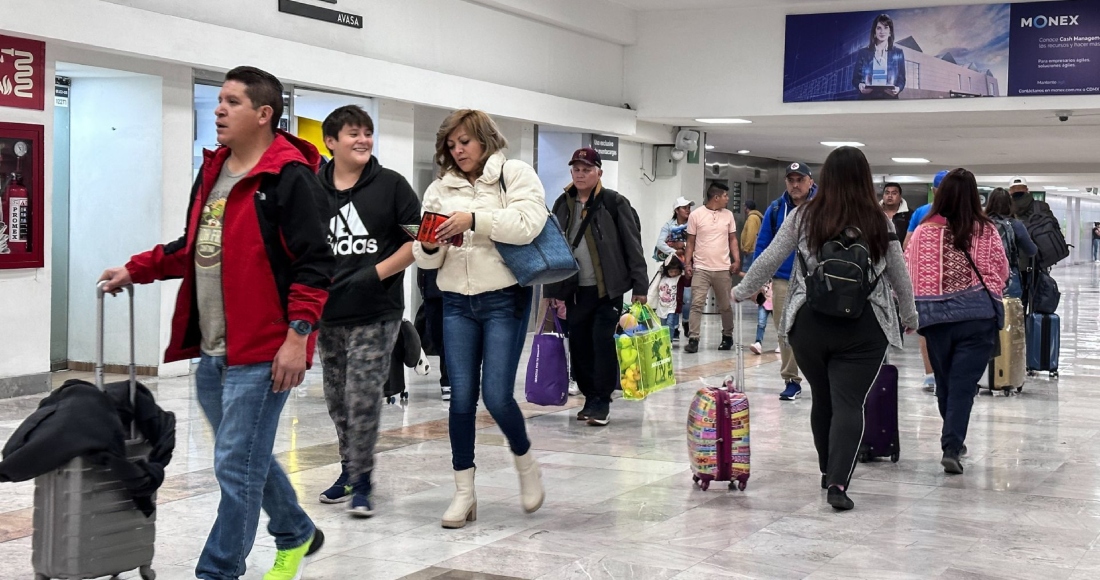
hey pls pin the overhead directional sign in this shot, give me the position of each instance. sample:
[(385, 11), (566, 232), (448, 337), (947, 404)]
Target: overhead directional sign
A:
[(319, 13)]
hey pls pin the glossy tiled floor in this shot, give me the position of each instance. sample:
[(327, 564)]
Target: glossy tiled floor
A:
[(620, 502)]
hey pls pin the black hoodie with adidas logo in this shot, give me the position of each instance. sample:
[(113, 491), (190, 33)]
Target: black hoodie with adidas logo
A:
[(364, 225)]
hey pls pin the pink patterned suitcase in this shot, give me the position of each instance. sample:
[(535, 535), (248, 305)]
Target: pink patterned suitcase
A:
[(718, 428)]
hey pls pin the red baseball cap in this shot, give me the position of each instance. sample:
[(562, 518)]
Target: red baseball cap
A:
[(588, 156)]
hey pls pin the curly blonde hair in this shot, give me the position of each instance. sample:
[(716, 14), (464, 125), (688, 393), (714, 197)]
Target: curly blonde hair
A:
[(478, 125)]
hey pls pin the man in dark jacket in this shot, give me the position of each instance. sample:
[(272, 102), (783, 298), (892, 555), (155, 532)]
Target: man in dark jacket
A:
[(367, 205), (607, 243), (248, 313), (895, 207)]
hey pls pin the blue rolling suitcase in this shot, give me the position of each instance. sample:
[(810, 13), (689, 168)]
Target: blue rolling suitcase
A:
[(1044, 333)]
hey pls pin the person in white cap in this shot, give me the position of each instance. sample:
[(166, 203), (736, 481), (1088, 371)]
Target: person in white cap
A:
[(1022, 201), (673, 240)]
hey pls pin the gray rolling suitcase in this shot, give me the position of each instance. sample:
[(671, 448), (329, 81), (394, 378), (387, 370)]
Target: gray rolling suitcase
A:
[(85, 523)]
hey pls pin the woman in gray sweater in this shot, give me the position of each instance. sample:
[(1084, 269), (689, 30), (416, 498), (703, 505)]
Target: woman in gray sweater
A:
[(840, 355)]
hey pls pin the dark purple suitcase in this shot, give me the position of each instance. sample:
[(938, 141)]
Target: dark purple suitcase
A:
[(880, 418)]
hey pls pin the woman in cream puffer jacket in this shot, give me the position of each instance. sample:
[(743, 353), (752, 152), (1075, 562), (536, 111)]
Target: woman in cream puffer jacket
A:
[(484, 310)]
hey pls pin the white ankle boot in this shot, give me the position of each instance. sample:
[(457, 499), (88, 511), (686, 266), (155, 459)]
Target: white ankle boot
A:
[(530, 482), (463, 507)]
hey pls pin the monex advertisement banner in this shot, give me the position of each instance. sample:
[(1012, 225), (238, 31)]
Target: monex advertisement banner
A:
[(986, 50)]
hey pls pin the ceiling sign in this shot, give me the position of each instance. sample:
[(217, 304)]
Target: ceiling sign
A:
[(322, 14)]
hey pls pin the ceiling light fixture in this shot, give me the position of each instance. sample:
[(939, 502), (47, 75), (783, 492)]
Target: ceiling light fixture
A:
[(910, 160), (743, 152), (709, 147), (723, 121), (842, 144)]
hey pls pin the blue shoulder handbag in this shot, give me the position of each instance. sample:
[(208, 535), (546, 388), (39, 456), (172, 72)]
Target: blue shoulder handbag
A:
[(547, 259)]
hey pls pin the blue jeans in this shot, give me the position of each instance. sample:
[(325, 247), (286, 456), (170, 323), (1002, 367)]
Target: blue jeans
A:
[(761, 322), (1095, 249), (672, 321), (244, 413), (686, 304), (484, 336)]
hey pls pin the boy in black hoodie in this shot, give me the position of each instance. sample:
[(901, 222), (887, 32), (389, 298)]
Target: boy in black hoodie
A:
[(366, 206)]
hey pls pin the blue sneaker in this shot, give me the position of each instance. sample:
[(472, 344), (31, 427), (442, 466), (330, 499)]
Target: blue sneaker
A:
[(792, 392), (340, 491), (361, 505)]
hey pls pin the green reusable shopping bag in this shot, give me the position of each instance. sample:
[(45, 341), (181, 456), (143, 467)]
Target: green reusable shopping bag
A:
[(645, 356)]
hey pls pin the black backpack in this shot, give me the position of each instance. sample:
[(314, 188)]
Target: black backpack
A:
[(841, 283), (1008, 238), (1046, 232), (1045, 296)]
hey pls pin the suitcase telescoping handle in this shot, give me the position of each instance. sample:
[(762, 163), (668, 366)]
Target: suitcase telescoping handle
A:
[(739, 345), (99, 339)]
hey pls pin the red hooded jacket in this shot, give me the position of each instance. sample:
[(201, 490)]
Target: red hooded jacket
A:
[(276, 260)]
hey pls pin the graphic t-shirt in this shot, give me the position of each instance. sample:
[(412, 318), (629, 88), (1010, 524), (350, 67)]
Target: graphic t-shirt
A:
[(208, 265), (666, 292), (712, 229)]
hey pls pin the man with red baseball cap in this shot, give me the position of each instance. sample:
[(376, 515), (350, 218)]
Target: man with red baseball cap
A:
[(606, 238)]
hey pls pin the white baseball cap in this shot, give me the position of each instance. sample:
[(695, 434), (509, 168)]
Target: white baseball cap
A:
[(682, 201), (1017, 181)]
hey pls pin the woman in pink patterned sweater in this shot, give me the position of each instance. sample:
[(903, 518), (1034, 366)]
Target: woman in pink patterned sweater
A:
[(958, 267)]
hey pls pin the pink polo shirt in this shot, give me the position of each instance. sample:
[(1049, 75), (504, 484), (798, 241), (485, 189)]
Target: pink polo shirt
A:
[(712, 231)]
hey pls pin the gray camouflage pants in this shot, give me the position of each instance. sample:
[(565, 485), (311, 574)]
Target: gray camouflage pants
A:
[(356, 362)]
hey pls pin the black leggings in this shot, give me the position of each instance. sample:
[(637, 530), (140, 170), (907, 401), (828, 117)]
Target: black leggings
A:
[(840, 359)]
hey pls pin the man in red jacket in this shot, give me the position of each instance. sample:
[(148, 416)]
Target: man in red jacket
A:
[(256, 265)]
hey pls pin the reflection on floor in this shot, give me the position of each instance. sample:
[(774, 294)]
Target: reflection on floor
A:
[(620, 502)]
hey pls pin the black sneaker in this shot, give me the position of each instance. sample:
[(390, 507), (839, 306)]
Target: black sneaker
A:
[(839, 500), (341, 489), (600, 415), (317, 541), (692, 346), (727, 343), (951, 463), (586, 410), (823, 484)]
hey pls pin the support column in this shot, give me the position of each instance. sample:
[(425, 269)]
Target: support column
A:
[(394, 143)]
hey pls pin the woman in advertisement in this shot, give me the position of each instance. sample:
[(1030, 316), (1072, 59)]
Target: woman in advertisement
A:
[(880, 66)]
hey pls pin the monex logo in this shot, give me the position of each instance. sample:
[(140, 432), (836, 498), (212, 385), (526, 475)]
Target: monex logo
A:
[(1042, 21)]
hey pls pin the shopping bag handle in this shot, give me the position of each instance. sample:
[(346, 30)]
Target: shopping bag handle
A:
[(545, 316)]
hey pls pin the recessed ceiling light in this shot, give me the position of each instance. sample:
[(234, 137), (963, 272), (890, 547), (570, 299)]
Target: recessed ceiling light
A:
[(910, 160), (723, 121), (709, 147), (842, 144), (743, 152)]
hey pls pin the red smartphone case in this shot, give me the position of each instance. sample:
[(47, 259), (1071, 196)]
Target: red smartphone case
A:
[(430, 224)]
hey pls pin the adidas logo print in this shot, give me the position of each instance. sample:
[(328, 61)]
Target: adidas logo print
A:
[(348, 235)]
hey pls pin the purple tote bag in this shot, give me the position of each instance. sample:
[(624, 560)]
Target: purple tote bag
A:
[(547, 369)]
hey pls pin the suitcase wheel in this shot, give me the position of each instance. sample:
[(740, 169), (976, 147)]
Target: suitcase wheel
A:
[(147, 573), (41, 577), (1030, 372), (864, 456), (703, 485), (404, 395), (1053, 374), (1020, 389), (695, 478), (895, 457), (738, 485), (391, 400)]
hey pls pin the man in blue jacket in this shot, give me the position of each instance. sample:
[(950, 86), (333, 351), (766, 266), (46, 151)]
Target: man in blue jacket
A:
[(800, 187)]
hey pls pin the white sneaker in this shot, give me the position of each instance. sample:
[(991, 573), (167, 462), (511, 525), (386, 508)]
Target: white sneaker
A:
[(778, 350), (445, 393), (929, 384), (756, 348), (574, 390)]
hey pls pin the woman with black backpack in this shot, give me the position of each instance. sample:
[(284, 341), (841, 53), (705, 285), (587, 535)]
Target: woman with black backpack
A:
[(1014, 238), (840, 317), (959, 271)]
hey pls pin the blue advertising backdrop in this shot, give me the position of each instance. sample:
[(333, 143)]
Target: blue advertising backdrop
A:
[(987, 50), (1055, 49)]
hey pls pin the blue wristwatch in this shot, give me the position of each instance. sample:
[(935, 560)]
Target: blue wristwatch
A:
[(301, 327)]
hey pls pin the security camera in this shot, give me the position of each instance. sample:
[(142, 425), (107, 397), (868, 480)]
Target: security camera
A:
[(1063, 116)]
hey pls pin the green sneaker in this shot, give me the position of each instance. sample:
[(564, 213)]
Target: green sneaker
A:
[(289, 564)]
